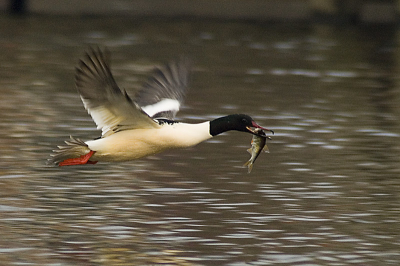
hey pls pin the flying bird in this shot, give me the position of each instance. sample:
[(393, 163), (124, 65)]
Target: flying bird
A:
[(143, 125)]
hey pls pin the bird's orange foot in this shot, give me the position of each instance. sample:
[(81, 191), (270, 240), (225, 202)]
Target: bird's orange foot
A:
[(84, 159)]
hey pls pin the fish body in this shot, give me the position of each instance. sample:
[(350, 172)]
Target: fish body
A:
[(258, 144)]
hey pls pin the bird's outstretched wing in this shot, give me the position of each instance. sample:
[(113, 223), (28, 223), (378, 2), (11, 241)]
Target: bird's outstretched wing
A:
[(110, 107), (163, 93)]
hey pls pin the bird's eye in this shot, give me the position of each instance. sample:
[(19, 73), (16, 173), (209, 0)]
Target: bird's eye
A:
[(244, 120)]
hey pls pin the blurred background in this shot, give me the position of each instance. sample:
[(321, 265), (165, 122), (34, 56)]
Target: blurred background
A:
[(350, 11), (324, 75)]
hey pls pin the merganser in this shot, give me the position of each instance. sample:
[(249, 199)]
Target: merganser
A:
[(137, 127)]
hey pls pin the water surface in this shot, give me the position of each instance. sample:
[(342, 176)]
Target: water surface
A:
[(328, 193)]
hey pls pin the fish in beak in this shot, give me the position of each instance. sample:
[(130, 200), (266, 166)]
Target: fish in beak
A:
[(260, 133)]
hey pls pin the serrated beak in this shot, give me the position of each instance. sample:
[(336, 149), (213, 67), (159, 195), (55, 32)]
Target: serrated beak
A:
[(259, 133)]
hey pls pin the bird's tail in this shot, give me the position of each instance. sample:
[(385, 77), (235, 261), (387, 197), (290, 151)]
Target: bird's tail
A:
[(75, 152)]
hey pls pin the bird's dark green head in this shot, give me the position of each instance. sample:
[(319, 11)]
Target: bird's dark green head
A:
[(239, 122)]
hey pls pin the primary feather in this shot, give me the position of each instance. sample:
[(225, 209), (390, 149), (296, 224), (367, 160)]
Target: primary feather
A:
[(110, 107), (163, 93)]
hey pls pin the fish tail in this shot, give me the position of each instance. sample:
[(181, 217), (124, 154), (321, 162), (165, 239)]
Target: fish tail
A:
[(249, 165)]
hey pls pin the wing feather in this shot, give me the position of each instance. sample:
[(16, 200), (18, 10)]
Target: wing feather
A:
[(163, 93), (110, 107)]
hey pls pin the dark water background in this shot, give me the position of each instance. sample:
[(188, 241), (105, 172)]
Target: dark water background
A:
[(328, 193)]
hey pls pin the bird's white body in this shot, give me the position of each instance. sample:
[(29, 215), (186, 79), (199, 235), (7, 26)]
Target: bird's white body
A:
[(137, 143)]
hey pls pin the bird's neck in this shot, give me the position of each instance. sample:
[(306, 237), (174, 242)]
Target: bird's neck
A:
[(221, 125), (185, 135)]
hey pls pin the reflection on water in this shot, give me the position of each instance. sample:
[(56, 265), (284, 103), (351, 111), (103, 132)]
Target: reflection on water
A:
[(326, 194)]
